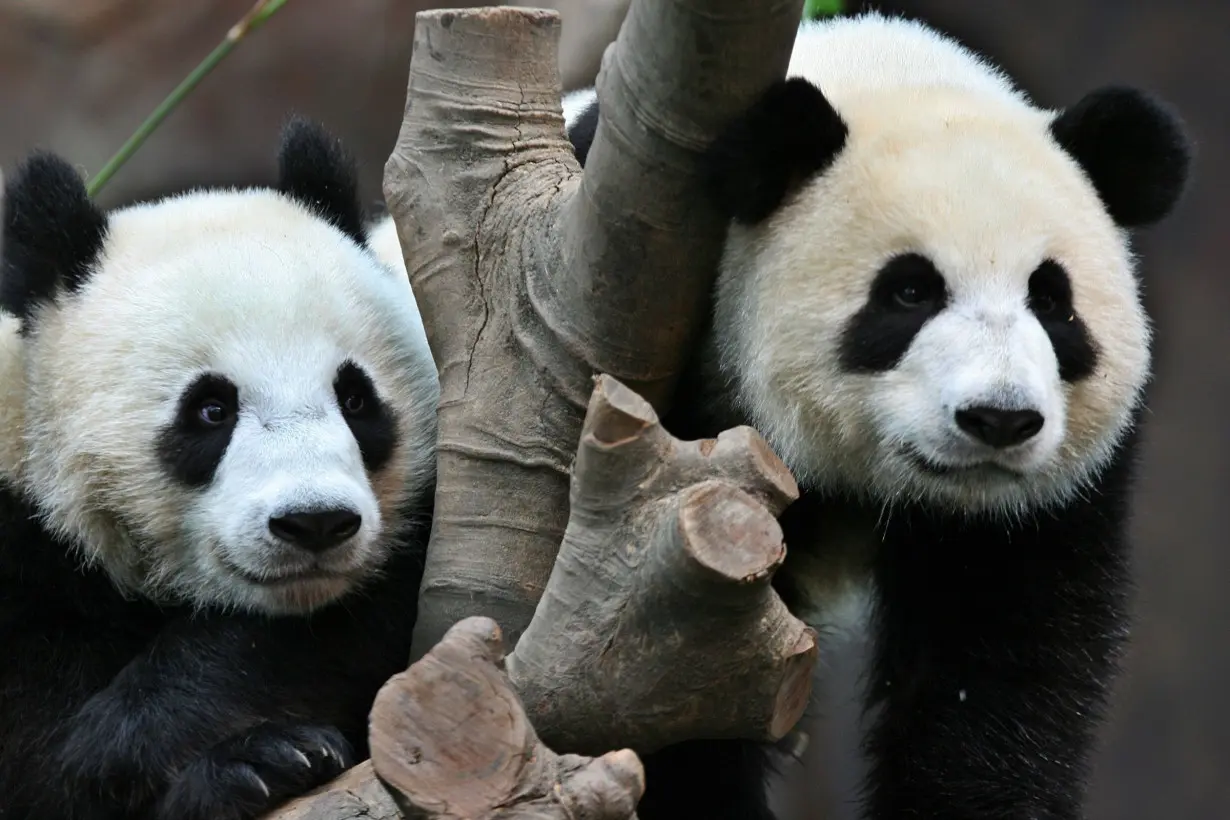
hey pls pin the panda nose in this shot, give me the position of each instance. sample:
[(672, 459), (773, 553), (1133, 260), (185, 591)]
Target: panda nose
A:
[(316, 530), (1000, 428)]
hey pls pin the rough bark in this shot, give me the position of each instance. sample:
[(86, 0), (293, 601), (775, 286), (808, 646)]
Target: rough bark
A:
[(532, 278), (451, 741), (356, 794)]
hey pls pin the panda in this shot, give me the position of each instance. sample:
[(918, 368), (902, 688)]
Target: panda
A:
[(927, 302), (219, 460)]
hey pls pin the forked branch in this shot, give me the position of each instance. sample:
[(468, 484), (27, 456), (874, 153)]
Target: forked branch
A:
[(659, 623)]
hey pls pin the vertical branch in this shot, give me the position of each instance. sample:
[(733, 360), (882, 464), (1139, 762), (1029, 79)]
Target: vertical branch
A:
[(641, 245), (473, 184)]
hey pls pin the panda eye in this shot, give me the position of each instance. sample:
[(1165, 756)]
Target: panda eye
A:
[(1050, 290), (213, 412), (910, 296), (356, 395), (1043, 304), (354, 403), (909, 282), (918, 292)]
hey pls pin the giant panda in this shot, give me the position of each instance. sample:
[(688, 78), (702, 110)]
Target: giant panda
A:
[(219, 433), (928, 304)]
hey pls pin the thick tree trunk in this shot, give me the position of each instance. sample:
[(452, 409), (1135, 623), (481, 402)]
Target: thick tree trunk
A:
[(532, 278)]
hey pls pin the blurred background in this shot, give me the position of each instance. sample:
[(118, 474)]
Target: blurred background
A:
[(78, 76)]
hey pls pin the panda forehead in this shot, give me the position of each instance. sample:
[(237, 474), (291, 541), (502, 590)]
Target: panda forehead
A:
[(265, 367), (248, 286), (221, 262), (978, 189)]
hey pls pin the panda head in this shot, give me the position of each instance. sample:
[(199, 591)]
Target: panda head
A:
[(930, 296), (229, 400)]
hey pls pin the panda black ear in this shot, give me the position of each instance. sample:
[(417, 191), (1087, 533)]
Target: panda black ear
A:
[(1134, 150), (788, 136), (315, 169), (53, 233)]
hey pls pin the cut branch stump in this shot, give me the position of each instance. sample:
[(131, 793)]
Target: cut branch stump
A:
[(659, 623)]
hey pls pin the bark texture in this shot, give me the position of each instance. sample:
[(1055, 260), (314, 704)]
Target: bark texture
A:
[(532, 278), (357, 794)]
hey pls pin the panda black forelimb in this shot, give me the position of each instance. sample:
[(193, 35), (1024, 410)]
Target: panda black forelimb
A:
[(996, 648)]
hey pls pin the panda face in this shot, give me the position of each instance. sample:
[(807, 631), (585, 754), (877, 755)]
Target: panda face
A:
[(234, 407), (234, 400), (945, 313)]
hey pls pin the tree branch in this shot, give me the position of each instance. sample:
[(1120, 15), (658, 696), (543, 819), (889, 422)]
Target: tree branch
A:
[(658, 625), (531, 279), (356, 794), (640, 245)]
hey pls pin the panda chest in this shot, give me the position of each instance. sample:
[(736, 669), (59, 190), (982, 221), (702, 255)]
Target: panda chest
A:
[(826, 577)]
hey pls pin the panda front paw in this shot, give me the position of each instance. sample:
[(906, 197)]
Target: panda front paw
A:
[(248, 775)]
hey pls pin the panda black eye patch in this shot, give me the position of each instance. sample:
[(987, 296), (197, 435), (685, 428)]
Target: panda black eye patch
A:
[(191, 447), (906, 293), (368, 417), (1050, 301)]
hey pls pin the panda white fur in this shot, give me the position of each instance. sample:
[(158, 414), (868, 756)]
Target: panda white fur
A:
[(219, 424), (927, 303)]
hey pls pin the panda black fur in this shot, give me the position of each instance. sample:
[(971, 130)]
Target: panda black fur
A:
[(927, 303), (219, 433)]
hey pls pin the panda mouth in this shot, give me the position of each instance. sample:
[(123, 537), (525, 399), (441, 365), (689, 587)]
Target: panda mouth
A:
[(291, 579), (935, 468), (307, 576)]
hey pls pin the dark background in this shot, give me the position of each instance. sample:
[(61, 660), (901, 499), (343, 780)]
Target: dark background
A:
[(79, 75)]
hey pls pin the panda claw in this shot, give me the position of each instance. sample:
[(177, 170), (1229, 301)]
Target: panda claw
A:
[(248, 775)]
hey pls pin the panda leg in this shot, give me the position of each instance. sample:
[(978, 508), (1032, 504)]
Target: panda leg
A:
[(211, 712), (997, 645)]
